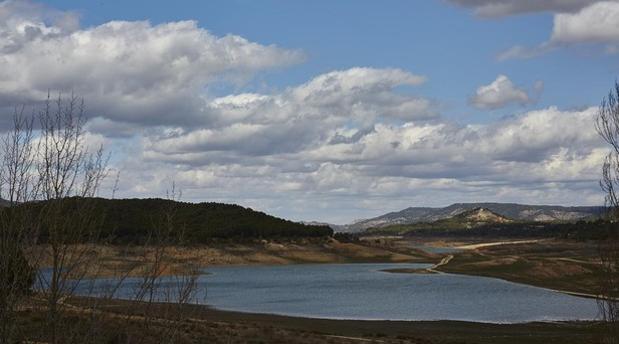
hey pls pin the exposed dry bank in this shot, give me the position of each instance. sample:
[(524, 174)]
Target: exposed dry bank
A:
[(112, 260), (567, 266)]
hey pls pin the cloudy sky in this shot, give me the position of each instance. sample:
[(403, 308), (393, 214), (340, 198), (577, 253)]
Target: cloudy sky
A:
[(328, 110)]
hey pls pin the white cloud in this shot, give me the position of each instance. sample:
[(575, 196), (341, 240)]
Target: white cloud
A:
[(349, 85), (597, 23), (499, 8), (23, 21), (502, 92), (547, 155), (522, 52), (347, 143), (302, 116), (131, 72)]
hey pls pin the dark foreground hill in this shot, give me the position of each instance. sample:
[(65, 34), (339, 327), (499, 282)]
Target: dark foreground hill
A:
[(132, 220)]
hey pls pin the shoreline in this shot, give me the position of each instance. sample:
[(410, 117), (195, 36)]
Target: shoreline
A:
[(117, 260), (440, 263), (392, 331), (481, 245), (220, 323), (430, 270), (461, 321)]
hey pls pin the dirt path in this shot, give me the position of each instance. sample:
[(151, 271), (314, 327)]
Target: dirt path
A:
[(443, 261), (498, 243)]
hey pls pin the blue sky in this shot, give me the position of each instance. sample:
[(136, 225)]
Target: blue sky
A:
[(329, 110), (454, 48)]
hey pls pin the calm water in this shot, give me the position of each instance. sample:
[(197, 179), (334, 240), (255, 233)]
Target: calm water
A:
[(362, 291)]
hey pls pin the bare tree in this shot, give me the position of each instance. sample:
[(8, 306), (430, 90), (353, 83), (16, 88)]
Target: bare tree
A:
[(16, 175), (607, 125), (68, 177), (51, 228)]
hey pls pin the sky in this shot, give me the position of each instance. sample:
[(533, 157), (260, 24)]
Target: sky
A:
[(328, 110)]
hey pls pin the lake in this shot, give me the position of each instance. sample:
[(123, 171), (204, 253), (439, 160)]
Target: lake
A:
[(362, 291)]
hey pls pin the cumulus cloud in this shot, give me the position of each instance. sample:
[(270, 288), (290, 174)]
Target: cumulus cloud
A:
[(302, 116), (502, 92), (498, 151), (315, 147), (548, 155), (530, 138), (23, 21), (357, 140), (499, 8), (597, 23), (132, 72)]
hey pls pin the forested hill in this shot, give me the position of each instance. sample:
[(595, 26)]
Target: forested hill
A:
[(131, 220)]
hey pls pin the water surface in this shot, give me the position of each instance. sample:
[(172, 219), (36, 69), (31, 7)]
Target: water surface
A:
[(362, 291)]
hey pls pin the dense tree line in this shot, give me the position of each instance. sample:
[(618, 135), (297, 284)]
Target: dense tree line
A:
[(581, 230), (132, 220)]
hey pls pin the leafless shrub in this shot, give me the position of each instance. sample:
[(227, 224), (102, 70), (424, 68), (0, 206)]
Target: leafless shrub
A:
[(607, 125), (68, 177), (16, 273)]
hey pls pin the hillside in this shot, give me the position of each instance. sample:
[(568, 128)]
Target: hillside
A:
[(467, 220), (131, 220), (481, 222), (481, 216), (517, 212)]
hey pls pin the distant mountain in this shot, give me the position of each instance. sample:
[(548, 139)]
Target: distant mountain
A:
[(513, 211), (464, 221)]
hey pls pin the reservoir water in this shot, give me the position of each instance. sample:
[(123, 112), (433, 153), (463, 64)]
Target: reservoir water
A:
[(363, 291)]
